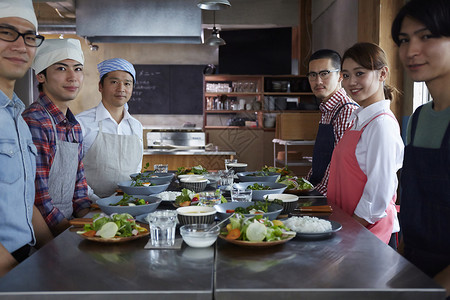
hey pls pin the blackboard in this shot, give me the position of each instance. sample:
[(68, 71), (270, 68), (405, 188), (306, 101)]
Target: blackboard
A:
[(168, 89)]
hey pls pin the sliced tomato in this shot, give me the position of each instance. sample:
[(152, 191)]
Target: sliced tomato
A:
[(230, 211), (234, 234), (90, 233)]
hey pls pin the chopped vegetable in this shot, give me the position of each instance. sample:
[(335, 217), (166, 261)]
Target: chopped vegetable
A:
[(194, 170), (295, 183), (258, 187), (234, 234), (128, 200)]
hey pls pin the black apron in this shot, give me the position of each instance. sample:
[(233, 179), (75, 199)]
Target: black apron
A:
[(323, 149), (425, 204)]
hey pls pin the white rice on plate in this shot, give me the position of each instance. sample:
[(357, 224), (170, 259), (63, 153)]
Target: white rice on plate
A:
[(308, 224), (168, 195)]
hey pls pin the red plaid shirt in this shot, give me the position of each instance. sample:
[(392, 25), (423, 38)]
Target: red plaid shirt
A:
[(44, 138), (340, 124)]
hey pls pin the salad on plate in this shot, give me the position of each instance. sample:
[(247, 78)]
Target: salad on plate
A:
[(256, 229), (114, 226)]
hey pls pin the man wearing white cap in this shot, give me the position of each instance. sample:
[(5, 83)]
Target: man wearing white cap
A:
[(61, 189), (112, 138), (20, 222)]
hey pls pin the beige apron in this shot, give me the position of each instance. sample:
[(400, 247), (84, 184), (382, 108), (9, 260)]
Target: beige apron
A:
[(63, 174), (110, 160)]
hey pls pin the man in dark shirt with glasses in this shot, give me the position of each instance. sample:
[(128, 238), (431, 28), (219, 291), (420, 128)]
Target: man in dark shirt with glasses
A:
[(336, 107)]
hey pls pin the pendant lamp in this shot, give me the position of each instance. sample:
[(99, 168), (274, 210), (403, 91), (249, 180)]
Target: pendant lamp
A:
[(214, 39), (213, 4)]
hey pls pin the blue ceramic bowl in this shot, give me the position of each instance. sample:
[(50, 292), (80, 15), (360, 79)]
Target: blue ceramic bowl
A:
[(272, 212), (137, 210), (126, 187), (258, 195), (156, 178), (257, 176)]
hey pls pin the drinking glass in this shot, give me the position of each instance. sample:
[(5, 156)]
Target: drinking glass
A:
[(226, 177), (229, 161), (241, 195), (162, 227), (209, 198), (161, 168)]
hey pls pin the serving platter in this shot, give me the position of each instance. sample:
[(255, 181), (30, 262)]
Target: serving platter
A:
[(115, 239), (256, 244)]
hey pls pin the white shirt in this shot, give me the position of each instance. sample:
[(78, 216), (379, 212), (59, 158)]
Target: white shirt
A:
[(379, 153), (89, 121)]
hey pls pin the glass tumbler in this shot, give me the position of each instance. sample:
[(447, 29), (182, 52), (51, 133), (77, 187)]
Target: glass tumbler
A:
[(162, 227)]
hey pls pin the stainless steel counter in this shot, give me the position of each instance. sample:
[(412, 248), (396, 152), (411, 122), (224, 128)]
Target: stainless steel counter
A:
[(70, 268), (353, 264)]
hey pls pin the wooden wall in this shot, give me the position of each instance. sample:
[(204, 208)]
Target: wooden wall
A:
[(374, 25)]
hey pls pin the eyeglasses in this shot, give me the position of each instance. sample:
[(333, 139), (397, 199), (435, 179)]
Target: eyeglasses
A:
[(11, 35), (323, 74)]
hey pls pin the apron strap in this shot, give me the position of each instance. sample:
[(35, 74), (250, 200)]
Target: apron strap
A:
[(364, 127), (415, 119), (339, 109)]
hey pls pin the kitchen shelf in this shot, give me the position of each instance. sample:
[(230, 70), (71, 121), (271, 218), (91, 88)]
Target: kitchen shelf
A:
[(285, 162), (260, 86)]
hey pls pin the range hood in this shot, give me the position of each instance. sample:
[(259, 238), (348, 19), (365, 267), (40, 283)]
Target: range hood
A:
[(139, 21)]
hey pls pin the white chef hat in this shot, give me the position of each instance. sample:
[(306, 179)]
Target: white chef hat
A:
[(18, 8), (55, 50)]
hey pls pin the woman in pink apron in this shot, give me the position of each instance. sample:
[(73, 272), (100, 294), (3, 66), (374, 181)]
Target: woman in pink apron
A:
[(364, 165)]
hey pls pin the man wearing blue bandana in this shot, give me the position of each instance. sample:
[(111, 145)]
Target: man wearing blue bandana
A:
[(112, 138)]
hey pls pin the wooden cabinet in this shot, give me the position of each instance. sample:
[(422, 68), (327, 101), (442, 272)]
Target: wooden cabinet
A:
[(252, 101)]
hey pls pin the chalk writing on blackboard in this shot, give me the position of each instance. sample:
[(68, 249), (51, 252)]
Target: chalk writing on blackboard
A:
[(167, 89)]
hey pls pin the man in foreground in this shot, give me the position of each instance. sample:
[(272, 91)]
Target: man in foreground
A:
[(21, 223)]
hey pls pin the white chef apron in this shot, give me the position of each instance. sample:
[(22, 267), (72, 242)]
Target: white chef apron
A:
[(110, 160), (63, 173)]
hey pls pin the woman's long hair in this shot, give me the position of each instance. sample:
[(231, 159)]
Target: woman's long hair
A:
[(372, 57)]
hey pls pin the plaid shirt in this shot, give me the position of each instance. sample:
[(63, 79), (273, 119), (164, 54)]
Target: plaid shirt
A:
[(340, 124), (44, 138)]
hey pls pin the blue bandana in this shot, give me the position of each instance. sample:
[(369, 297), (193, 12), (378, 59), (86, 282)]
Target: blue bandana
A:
[(116, 64)]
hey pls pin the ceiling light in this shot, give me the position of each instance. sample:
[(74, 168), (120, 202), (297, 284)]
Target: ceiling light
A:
[(213, 4), (214, 39)]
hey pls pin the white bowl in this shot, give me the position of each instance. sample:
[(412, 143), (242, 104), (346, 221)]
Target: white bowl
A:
[(290, 201), (196, 214), (195, 235)]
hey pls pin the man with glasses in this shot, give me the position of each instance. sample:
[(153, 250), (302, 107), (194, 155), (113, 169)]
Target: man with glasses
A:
[(21, 223), (61, 188), (336, 107)]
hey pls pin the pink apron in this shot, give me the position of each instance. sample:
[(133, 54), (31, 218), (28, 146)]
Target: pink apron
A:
[(347, 181)]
